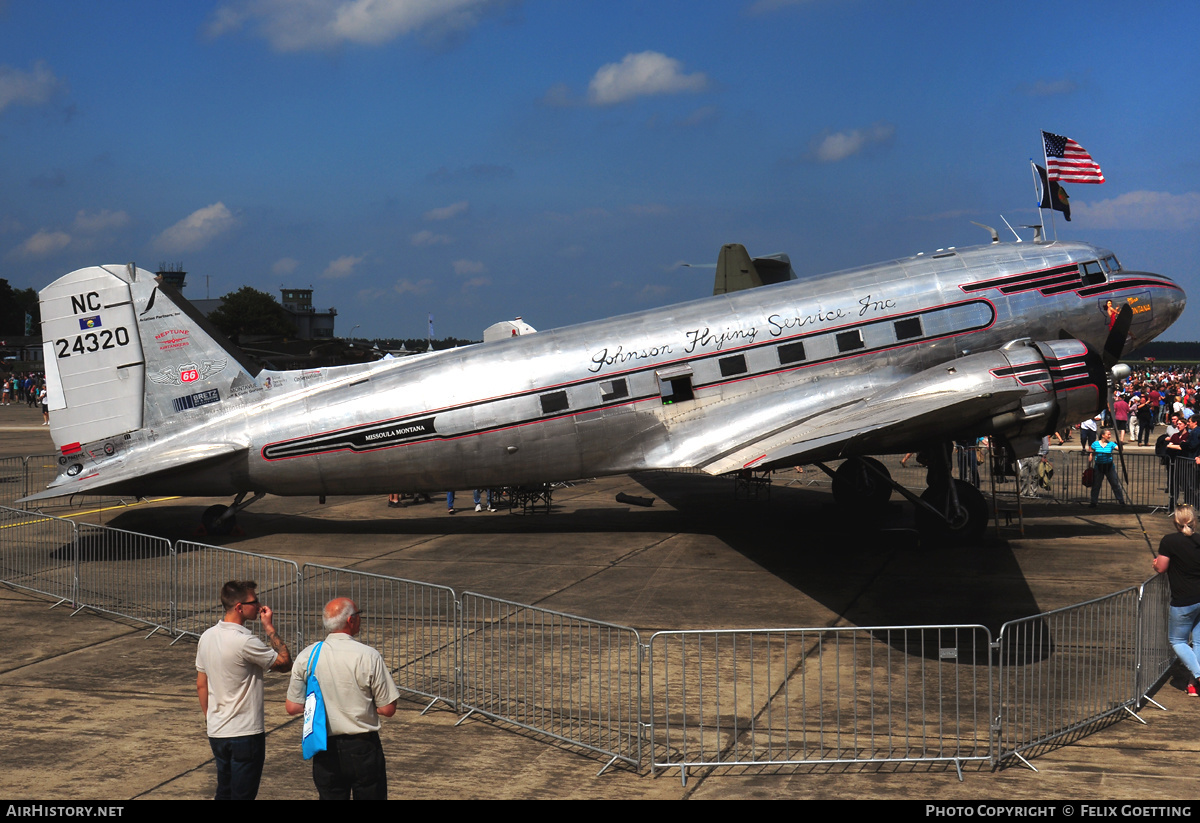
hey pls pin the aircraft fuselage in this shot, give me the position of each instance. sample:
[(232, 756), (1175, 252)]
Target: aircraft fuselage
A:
[(589, 400), (680, 386)]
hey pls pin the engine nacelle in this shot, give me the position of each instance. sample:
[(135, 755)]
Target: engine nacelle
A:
[(1065, 382), (1025, 390)]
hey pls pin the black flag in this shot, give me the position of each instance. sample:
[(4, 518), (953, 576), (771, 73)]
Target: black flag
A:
[(1051, 195)]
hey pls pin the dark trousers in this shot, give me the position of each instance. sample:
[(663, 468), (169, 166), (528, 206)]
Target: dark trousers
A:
[(239, 765), (1182, 481), (1107, 471), (353, 763), (1145, 429)]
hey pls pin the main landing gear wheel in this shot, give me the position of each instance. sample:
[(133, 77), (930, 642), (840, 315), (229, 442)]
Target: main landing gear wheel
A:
[(964, 525), (854, 483), (212, 522)]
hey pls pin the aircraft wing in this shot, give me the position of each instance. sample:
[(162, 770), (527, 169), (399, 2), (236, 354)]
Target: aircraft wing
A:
[(1023, 389), (121, 477), (871, 425)]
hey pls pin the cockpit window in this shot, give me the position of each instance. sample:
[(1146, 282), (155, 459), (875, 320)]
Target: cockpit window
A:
[(1091, 273), (1111, 264)]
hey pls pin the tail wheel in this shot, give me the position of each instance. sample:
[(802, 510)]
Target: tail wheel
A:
[(964, 524), (854, 483)]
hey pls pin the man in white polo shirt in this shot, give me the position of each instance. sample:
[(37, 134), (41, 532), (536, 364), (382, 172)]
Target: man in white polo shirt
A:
[(230, 661), (357, 689)]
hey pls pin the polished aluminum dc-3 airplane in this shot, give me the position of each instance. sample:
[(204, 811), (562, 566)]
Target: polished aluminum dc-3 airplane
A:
[(1008, 339)]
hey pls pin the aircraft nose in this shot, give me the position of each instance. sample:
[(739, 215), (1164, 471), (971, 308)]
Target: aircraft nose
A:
[(1168, 300), (1175, 300)]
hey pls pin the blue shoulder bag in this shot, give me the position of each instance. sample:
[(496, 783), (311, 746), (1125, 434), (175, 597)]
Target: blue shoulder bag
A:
[(314, 709)]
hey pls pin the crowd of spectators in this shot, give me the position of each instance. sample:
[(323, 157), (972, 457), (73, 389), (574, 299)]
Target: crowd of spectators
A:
[(28, 388), (1150, 396)]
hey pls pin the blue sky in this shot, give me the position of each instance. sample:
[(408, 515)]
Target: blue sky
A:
[(479, 160)]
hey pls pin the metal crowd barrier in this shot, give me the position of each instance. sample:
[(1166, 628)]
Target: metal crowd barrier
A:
[(413, 625), (567, 677), (40, 470), (1154, 655), (12, 480), (805, 696), (1146, 479), (730, 697), (125, 573), (201, 570), (37, 552), (1065, 670)]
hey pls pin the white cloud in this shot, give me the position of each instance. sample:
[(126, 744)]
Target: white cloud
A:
[(197, 229), (468, 267), (342, 267), (427, 238), (409, 287), (284, 265), (30, 88), (103, 220), (446, 212), (304, 25), (476, 283), (641, 74), (1138, 210), (44, 243), (830, 148)]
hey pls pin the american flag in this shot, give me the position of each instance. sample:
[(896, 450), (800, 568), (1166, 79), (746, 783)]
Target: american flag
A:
[(1066, 160)]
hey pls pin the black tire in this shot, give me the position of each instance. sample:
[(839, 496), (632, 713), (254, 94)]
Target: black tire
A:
[(854, 483), (209, 520), (967, 526)]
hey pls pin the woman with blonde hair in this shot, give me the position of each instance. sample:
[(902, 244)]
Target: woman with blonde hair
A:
[(1179, 558)]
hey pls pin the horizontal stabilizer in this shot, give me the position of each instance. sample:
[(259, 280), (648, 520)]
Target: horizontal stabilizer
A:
[(140, 479)]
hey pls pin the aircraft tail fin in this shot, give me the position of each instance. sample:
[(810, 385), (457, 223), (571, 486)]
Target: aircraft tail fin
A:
[(737, 271), (124, 352)]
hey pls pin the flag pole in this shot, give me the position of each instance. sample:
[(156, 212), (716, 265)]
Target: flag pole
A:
[(1037, 187), (1046, 163)]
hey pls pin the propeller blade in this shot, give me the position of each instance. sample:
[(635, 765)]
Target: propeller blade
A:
[(1114, 346)]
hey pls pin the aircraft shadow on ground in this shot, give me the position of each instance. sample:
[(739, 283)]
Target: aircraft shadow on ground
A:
[(868, 567)]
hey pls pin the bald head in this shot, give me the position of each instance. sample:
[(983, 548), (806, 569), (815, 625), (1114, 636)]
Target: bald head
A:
[(341, 615)]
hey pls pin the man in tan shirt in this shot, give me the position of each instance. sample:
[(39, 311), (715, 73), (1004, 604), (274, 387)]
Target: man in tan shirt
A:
[(230, 661), (357, 689)]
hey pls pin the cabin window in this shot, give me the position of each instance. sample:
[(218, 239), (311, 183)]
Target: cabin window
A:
[(613, 390), (732, 365), (791, 353), (850, 340), (675, 385), (555, 401), (909, 328), (1091, 273)]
